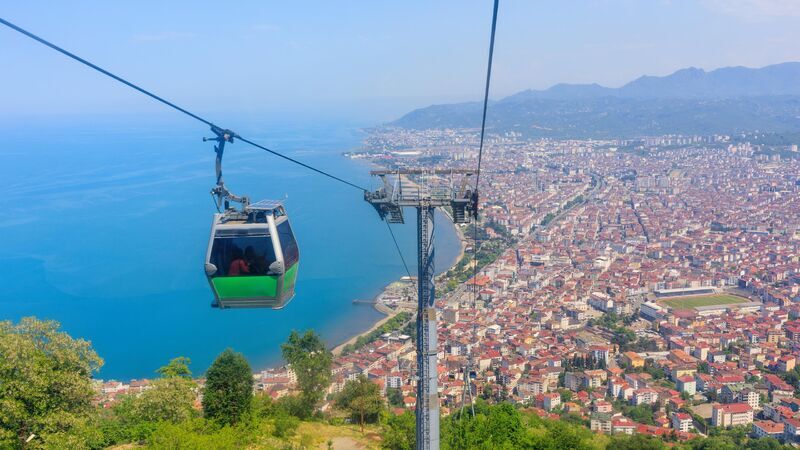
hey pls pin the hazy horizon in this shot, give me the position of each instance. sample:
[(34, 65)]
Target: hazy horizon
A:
[(376, 61)]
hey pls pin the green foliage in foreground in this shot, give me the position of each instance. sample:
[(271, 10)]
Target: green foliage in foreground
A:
[(266, 424), (500, 426), (46, 398), (177, 367), (503, 426), (45, 386), (400, 432), (311, 361), (229, 388), (362, 399), (395, 397), (46, 393), (168, 400), (734, 439)]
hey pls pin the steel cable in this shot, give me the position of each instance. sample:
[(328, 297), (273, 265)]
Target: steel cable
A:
[(194, 116), (166, 102)]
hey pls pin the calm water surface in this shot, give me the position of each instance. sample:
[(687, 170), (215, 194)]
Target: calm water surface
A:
[(106, 222)]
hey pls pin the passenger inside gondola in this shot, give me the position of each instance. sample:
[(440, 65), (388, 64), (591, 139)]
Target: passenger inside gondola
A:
[(238, 264), (230, 260), (253, 258), (257, 264)]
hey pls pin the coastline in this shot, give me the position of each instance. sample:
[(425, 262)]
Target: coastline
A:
[(381, 308), (461, 238), (390, 313), (387, 313)]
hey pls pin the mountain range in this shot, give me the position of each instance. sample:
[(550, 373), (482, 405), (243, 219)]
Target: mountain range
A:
[(690, 101)]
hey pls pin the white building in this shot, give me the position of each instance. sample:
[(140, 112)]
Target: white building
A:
[(731, 415), (681, 421)]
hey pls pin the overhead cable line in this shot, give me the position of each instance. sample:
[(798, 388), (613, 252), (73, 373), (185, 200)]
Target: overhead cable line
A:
[(475, 224), (103, 71), (480, 149), (192, 115), (167, 102), (486, 94), (322, 172), (397, 246)]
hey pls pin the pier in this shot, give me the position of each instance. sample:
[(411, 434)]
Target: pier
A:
[(359, 301)]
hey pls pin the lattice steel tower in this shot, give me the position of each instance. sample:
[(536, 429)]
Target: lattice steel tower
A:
[(425, 190)]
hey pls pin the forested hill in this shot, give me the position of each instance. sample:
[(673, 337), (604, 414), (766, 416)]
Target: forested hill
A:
[(689, 101)]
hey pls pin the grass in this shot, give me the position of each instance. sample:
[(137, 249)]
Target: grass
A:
[(702, 300), (317, 434)]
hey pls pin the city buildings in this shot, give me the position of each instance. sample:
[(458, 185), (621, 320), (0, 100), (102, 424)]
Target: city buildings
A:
[(659, 273)]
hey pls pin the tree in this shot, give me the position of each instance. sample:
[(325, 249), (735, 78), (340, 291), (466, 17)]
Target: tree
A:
[(400, 432), (284, 424), (487, 392), (573, 418), (361, 398), (792, 377), (311, 362), (623, 337), (766, 443), (561, 435), (45, 386), (635, 442), (168, 400), (496, 427), (644, 345), (713, 443), (641, 413), (395, 397), (229, 388), (201, 434), (177, 367), (655, 371)]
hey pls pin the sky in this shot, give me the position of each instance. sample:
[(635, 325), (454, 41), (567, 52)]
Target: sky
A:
[(368, 61)]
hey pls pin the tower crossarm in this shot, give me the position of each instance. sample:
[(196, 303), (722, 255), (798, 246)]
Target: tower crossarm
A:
[(409, 188)]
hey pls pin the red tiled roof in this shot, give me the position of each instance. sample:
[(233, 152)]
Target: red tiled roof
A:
[(769, 426), (734, 408)]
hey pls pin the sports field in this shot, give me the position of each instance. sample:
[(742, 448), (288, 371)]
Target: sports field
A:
[(702, 300)]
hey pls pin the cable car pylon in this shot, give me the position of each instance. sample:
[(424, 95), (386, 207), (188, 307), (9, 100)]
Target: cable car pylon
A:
[(425, 190), (389, 200)]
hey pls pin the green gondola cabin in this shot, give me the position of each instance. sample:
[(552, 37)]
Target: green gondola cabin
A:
[(252, 257)]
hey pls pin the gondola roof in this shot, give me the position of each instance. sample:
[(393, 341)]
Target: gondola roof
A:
[(265, 205)]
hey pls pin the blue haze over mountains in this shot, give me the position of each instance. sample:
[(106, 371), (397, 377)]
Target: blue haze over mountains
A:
[(689, 101)]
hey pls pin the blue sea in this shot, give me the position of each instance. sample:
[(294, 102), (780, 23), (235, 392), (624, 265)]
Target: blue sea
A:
[(106, 220)]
